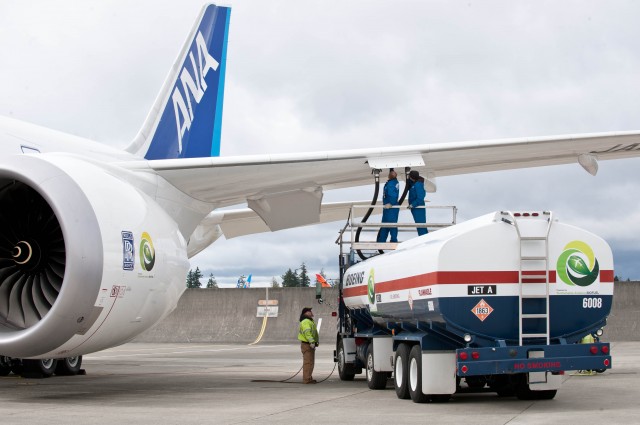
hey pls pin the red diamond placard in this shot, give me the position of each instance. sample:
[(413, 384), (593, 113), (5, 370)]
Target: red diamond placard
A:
[(482, 310)]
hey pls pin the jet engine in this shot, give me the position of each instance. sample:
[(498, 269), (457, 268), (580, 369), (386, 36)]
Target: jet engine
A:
[(87, 259)]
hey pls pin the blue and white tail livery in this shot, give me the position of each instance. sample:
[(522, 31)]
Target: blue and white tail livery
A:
[(186, 118)]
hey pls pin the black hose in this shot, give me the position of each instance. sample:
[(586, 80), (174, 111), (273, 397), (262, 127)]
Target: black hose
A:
[(369, 211), (286, 381), (406, 185)]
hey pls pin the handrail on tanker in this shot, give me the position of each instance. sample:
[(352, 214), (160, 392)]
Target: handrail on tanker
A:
[(352, 225)]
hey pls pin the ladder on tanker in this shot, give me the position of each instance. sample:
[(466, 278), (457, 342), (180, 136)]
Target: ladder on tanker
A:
[(533, 273)]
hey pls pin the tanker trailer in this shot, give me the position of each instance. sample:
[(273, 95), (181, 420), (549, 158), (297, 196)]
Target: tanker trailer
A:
[(500, 301)]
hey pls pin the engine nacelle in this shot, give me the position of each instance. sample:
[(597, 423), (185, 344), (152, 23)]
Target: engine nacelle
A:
[(87, 260)]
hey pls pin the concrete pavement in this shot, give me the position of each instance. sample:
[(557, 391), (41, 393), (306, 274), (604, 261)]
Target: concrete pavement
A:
[(143, 383)]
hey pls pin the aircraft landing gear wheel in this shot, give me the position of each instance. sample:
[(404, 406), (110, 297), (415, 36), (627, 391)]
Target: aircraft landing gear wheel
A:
[(401, 372), (415, 375), (38, 368), (5, 366), (375, 380), (345, 371), (69, 366)]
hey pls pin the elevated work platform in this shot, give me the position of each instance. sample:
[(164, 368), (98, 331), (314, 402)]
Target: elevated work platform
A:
[(361, 237)]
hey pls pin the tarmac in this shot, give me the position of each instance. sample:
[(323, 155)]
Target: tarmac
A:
[(202, 383)]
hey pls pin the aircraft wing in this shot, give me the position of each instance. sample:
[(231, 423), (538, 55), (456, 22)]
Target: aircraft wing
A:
[(286, 189), (239, 222)]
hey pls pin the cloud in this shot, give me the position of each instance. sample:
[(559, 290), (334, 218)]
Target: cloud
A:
[(336, 75)]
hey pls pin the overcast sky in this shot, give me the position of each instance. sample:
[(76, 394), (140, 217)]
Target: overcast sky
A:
[(305, 76)]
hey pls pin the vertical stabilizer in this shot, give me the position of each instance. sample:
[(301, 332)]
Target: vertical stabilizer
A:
[(186, 118)]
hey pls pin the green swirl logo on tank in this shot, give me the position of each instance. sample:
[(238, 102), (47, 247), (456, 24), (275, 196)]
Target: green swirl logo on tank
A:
[(371, 288), (147, 253), (577, 266)]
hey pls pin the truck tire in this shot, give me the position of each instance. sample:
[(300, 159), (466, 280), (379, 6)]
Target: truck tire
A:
[(440, 398), (345, 371), (401, 371), (523, 392), (545, 394), (502, 385), (476, 383), (415, 375), (375, 380)]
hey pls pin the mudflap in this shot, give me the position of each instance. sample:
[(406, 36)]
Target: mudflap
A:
[(439, 372)]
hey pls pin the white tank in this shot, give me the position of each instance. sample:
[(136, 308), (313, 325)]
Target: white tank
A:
[(469, 278)]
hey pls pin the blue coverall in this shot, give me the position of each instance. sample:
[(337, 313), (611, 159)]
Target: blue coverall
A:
[(390, 196), (416, 199)]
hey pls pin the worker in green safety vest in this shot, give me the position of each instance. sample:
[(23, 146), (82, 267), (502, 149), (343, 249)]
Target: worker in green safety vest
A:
[(308, 337), (587, 339)]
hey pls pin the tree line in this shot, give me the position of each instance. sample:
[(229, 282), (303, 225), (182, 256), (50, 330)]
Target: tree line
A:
[(296, 278), (194, 276)]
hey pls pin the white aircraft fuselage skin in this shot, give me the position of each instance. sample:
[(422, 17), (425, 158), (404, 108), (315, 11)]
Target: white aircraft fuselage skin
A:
[(95, 241)]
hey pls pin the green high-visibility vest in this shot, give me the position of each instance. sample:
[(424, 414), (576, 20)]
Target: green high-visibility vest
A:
[(308, 332)]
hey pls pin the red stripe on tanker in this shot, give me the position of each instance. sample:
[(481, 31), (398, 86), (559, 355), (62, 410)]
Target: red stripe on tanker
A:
[(474, 257)]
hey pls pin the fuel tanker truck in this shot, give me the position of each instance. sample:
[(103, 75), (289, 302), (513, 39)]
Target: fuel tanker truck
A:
[(498, 303)]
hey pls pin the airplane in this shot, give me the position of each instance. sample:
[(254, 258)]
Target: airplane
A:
[(96, 241)]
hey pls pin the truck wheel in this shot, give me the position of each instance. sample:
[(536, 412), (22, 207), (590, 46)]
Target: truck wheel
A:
[(345, 371), (69, 366), (545, 394), (440, 398), (375, 380), (523, 392), (476, 383), (415, 375), (401, 371), (503, 385)]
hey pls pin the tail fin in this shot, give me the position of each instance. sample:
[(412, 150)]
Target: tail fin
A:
[(186, 118)]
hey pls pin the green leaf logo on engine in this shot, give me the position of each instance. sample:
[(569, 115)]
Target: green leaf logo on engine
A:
[(371, 286), (147, 253), (577, 265)]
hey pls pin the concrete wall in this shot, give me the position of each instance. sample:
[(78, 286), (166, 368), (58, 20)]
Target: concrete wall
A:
[(622, 324), (229, 316)]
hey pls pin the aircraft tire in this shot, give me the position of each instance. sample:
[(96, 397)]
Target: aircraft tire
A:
[(69, 366), (38, 368), (5, 366)]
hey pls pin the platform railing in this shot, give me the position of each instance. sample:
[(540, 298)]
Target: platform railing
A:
[(368, 234)]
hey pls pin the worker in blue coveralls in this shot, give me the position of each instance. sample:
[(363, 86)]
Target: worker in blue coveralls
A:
[(416, 199), (390, 215)]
